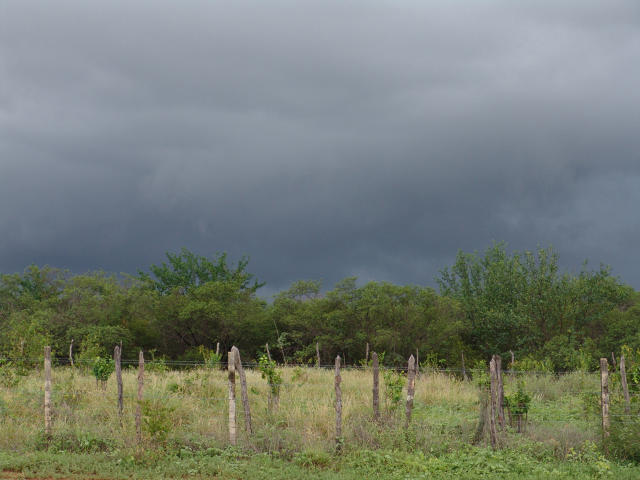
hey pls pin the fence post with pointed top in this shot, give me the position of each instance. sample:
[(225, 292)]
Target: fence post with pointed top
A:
[(411, 388)]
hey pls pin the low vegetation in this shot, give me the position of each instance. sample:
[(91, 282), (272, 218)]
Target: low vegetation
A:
[(185, 428)]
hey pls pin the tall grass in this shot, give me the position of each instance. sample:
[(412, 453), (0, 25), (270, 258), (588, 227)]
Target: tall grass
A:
[(188, 410)]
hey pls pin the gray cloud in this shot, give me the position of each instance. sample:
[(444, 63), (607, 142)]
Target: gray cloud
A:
[(323, 139)]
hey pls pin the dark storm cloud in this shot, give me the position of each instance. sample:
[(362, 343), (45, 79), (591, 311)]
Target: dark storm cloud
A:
[(323, 139)]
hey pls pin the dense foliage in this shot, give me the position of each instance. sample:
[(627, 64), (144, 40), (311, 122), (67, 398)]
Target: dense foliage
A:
[(488, 303)]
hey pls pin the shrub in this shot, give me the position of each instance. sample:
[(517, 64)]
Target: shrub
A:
[(394, 383), (102, 370), (274, 378), (518, 406), (211, 358)]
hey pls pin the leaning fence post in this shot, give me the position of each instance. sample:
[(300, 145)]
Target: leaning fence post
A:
[(243, 390), (625, 387), (232, 398), (47, 391), (604, 383), (117, 357), (411, 388), (140, 397), (500, 391), (376, 386), (317, 354), (338, 380), (492, 403), (268, 352)]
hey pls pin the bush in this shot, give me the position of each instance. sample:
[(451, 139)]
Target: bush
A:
[(102, 370), (518, 406), (394, 383)]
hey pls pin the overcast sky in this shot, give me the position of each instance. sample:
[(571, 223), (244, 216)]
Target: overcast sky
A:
[(321, 138)]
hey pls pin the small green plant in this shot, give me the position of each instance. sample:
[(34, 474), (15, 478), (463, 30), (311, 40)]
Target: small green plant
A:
[(274, 378), (299, 375), (518, 406), (156, 419), (156, 364), (394, 383), (210, 357), (365, 363), (533, 365), (102, 370), (432, 362)]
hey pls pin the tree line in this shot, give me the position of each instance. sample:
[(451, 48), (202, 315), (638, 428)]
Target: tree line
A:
[(487, 303)]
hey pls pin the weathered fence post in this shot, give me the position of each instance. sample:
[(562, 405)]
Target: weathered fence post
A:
[(232, 398), (492, 403), (604, 383), (513, 363), (625, 387), (464, 370), (268, 352), (500, 391), (71, 354), (117, 358), (417, 363), (613, 359), (218, 349), (243, 390), (366, 355), (317, 355), (338, 380), (376, 386), (47, 391), (411, 389), (140, 397)]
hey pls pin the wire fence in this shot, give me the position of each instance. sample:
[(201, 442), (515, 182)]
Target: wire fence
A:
[(576, 413)]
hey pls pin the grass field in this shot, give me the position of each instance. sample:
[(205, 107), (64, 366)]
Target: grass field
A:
[(185, 429)]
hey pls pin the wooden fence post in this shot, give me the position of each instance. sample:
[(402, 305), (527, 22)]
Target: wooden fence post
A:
[(71, 354), (47, 391), (500, 392), (513, 362), (417, 363), (604, 383), (232, 398), (366, 355), (411, 389), (117, 357), (218, 349), (317, 355), (140, 397), (464, 371), (268, 352), (338, 380), (625, 387), (376, 386), (613, 358), (492, 403), (243, 390)]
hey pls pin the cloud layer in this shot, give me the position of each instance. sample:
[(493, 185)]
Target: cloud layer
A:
[(323, 139)]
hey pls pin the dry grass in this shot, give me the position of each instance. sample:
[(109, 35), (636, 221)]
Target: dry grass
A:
[(188, 409)]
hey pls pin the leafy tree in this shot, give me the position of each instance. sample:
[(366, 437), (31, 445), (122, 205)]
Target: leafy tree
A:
[(186, 271)]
